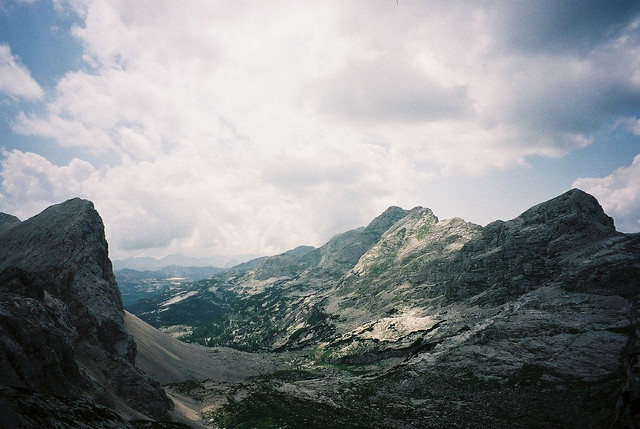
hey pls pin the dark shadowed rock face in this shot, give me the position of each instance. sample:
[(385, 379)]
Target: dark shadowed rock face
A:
[(61, 316), (23, 408), (7, 222)]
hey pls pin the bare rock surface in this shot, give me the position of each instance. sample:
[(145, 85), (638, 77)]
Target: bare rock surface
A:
[(7, 222), (414, 321), (61, 318), (171, 361)]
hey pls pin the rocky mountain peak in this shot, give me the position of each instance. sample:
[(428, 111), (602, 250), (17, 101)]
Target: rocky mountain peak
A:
[(424, 213), (55, 267), (574, 208), (7, 222), (300, 250), (386, 219), (525, 323), (63, 238)]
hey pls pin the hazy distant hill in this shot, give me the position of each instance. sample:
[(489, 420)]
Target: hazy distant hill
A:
[(154, 264), (136, 285)]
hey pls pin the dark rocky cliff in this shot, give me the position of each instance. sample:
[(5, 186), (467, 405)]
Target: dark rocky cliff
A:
[(61, 316)]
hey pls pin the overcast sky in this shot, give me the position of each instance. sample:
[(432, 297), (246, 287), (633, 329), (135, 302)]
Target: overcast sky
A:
[(210, 127)]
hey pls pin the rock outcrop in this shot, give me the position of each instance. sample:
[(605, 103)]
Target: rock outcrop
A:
[(7, 222), (61, 316), (525, 323)]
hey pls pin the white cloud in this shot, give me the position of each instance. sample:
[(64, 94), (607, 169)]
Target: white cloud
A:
[(253, 127), (177, 204), (619, 194), (388, 89), (67, 132), (30, 182), (632, 124), (15, 78)]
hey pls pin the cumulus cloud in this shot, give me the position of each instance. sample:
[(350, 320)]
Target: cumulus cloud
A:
[(254, 127), (67, 132), (619, 194), (15, 78), (388, 89), (30, 181)]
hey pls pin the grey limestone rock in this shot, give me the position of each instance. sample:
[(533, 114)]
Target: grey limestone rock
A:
[(7, 222), (531, 322), (61, 316)]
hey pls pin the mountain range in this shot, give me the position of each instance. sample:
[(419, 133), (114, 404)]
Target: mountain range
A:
[(411, 321), (146, 263)]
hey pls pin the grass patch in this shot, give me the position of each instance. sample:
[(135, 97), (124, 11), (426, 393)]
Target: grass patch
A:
[(186, 387), (342, 367), (270, 408), (289, 375), (423, 231)]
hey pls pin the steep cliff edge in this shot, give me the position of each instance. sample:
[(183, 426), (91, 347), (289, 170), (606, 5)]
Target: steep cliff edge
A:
[(61, 319)]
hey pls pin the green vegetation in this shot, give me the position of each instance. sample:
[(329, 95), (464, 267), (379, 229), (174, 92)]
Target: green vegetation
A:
[(270, 408), (322, 359), (148, 424), (186, 387), (477, 379), (351, 369), (380, 267), (423, 231), (289, 375)]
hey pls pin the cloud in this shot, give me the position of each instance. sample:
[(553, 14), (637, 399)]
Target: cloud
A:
[(30, 181), (632, 125), (253, 127), (619, 194), (391, 89), (15, 78), (67, 132), (567, 26)]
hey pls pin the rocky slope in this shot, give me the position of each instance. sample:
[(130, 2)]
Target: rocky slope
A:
[(262, 305), (419, 322), (62, 334)]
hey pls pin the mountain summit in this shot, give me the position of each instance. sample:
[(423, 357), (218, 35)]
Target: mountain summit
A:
[(573, 209), (411, 321), (62, 330), (428, 322)]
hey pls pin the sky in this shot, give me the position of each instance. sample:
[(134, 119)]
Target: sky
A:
[(250, 127)]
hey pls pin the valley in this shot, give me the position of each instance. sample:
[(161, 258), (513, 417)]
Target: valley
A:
[(319, 215), (416, 322), (408, 322)]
